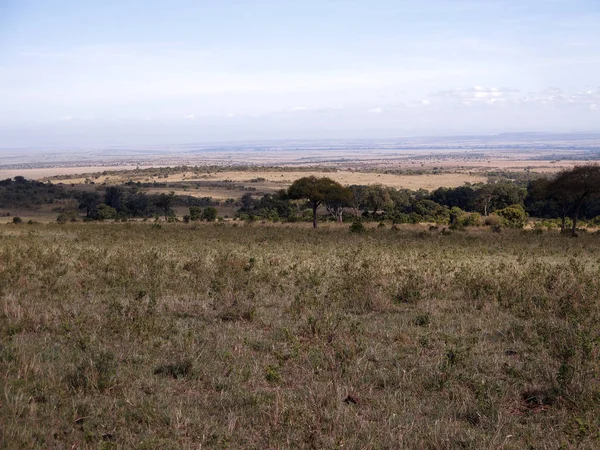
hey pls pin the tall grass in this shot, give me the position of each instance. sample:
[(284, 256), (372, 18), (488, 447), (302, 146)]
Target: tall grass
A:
[(220, 336)]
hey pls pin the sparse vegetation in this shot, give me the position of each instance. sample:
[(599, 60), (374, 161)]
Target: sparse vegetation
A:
[(141, 336)]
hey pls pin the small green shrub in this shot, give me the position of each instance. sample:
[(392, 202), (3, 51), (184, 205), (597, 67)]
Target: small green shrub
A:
[(357, 227)]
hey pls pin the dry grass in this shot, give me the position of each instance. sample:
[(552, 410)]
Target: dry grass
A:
[(228, 184), (215, 336)]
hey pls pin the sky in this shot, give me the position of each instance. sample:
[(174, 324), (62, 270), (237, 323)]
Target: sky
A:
[(138, 72)]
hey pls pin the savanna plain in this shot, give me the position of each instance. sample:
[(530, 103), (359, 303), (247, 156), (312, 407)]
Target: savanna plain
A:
[(232, 335)]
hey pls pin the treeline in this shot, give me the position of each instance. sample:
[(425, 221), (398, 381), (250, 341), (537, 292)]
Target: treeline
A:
[(465, 205), (113, 202), (22, 193), (569, 196), (129, 202), (565, 198)]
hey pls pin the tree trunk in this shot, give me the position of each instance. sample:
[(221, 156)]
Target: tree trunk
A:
[(315, 206), (575, 217), (563, 225)]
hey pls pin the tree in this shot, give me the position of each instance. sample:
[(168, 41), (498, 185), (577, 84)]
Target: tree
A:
[(513, 216), (247, 201), (89, 201), (337, 197), (104, 212), (549, 198), (357, 197), (165, 203), (137, 204), (209, 214), (576, 186), (493, 196), (316, 191), (113, 197), (195, 213), (377, 197)]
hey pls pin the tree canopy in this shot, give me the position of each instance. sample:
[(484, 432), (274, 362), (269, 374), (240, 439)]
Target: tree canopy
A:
[(320, 191)]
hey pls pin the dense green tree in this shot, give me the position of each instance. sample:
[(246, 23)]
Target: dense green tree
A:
[(315, 190), (493, 196), (337, 197), (138, 204), (104, 212), (209, 214), (89, 201), (247, 202), (357, 197), (114, 197), (195, 213), (463, 197), (165, 203), (377, 197), (549, 198), (513, 216), (576, 186)]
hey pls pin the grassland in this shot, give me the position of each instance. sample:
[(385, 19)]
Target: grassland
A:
[(219, 336)]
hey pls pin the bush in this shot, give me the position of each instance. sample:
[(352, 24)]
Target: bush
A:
[(357, 227), (493, 220), (65, 217), (513, 216), (17, 220), (104, 212), (472, 220), (209, 214), (195, 213)]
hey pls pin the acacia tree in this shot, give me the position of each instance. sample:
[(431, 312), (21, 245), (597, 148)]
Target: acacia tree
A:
[(575, 187), (378, 197), (337, 197), (555, 193), (165, 203), (357, 197), (318, 191), (494, 196)]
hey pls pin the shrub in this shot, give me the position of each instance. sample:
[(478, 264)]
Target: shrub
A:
[(513, 216), (195, 213), (17, 220), (493, 220), (209, 214), (104, 212), (357, 227), (472, 220)]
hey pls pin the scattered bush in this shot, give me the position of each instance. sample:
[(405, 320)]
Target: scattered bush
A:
[(357, 227)]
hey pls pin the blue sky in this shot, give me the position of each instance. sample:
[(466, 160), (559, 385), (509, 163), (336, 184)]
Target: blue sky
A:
[(147, 71)]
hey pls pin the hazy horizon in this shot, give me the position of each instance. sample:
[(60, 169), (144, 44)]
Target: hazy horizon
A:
[(147, 72)]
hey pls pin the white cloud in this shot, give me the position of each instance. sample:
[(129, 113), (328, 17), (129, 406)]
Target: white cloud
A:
[(477, 95), (190, 117), (375, 111), (550, 97)]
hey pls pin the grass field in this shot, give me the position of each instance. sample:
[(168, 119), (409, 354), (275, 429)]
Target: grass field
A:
[(226, 184), (219, 336)]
